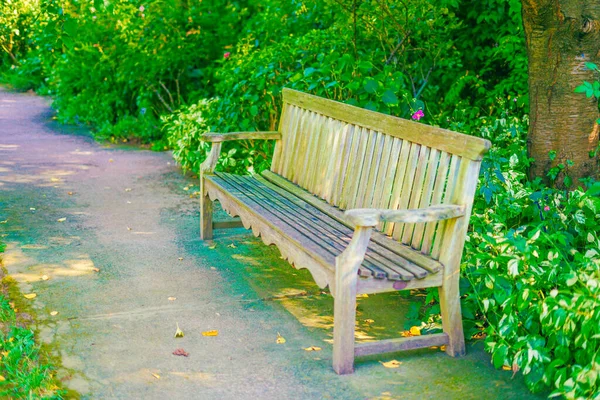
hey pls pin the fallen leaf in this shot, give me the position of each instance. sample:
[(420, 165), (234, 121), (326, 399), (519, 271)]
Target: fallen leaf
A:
[(181, 352), (172, 298), (415, 331), (313, 348), (128, 202), (369, 321), (32, 208), (280, 339), (391, 364), (70, 193), (180, 258), (96, 269), (45, 277), (178, 332), (214, 246), (110, 160), (54, 179), (3, 222), (61, 220), (443, 348), (128, 189), (157, 376), (186, 188), (210, 333), (233, 246), (506, 368), (128, 228), (30, 296), (362, 296), (213, 268), (53, 313), (2, 378)]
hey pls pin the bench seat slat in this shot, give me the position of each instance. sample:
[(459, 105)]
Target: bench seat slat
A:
[(312, 225), (315, 230), (402, 250)]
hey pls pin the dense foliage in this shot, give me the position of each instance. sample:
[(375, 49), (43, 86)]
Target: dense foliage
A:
[(166, 72)]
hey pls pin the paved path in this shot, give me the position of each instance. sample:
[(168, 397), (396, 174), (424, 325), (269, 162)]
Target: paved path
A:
[(130, 242)]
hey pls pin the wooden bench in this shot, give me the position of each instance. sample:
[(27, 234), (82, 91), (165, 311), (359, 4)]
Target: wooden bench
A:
[(408, 190)]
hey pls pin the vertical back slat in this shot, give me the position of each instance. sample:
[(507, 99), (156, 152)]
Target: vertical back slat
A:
[(335, 161), (398, 182), (356, 165), (299, 157), (338, 182), (456, 169), (416, 191), (411, 169), (365, 169), (428, 183), (436, 198), (374, 166), (290, 141), (283, 127)]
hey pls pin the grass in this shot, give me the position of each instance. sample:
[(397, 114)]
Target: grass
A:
[(24, 372)]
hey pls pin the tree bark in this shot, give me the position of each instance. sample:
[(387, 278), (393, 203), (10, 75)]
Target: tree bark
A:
[(561, 36)]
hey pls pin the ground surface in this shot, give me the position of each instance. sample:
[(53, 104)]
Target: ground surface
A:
[(129, 241)]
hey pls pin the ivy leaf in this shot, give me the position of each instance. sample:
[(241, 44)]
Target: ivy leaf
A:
[(390, 98), (370, 85)]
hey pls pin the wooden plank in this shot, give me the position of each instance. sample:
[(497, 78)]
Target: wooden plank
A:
[(282, 146), (384, 241), (357, 165), (311, 144), (317, 155), (298, 255), (324, 157), (453, 179), (426, 196), (363, 181), (227, 224), (213, 137), (402, 202), (351, 170), (332, 170), (371, 184), (398, 183), (378, 258), (416, 192), (283, 126), (299, 152), (406, 343), (436, 198), (292, 138), (374, 286), (383, 170), (344, 155), (344, 306), (470, 147), (389, 179)]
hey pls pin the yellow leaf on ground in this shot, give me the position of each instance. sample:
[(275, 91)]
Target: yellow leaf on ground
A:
[(214, 246), (70, 193), (2, 379), (53, 313), (110, 160), (172, 298), (45, 277), (443, 348), (210, 333), (362, 296), (30, 296), (233, 246), (178, 332), (506, 368), (180, 258), (61, 220), (415, 331), (54, 179), (157, 376), (128, 228), (96, 269), (313, 348), (280, 339), (128, 189), (391, 364), (369, 321)]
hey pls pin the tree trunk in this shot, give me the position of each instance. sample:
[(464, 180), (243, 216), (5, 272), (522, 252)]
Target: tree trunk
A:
[(561, 36)]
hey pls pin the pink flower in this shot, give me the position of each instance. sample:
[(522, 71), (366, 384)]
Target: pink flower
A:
[(546, 208), (226, 55), (418, 115), (142, 8)]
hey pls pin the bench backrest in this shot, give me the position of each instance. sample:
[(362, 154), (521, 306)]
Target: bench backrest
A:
[(356, 158)]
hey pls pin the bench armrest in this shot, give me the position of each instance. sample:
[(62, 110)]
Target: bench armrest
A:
[(225, 137), (208, 166), (372, 216)]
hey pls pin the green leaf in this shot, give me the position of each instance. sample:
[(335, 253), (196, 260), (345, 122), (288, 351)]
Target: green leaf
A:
[(370, 85), (390, 98)]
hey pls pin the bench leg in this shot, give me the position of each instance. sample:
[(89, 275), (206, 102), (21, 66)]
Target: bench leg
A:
[(344, 306), (451, 315), (206, 218), (344, 324)]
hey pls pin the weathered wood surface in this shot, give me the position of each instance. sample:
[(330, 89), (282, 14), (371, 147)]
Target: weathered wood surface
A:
[(320, 232), (448, 141), (225, 137), (407, 343), (372, 216), (404, 251)]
